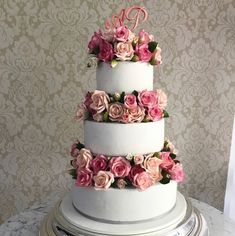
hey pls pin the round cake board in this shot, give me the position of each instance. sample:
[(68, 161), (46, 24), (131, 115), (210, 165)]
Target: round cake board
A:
[(57, 224)]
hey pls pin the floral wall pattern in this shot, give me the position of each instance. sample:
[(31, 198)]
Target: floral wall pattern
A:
[(43, 76)]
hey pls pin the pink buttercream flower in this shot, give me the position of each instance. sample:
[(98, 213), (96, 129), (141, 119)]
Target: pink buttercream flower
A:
[(119, 166), (143, 52), (100, 162), (138, 159), (130, 101), (177, 173), (95, 41), (74, 150), (161, 99), (122, 33), (80, 113), (137, 114), (84, 158), (167, 162), (124, 51), (143, 181), (121, 183), (137, 169), (106, 51), (157, 56), (147, 98), (100, 101), (144, 37), (103, 180), (155, 113), (84, 177), (115, 111)]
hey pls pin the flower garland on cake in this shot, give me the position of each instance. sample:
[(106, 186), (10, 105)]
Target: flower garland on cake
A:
[(119, 42), (144, 106), (138, 171)]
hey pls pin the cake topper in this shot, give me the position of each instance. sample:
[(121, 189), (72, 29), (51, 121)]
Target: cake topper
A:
[(133, 15)]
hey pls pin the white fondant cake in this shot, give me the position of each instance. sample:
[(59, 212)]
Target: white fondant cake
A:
[(122, 139), (125, 76), (126, 205)]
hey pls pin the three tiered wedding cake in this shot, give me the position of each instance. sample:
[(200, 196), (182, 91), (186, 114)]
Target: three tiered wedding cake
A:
[(126, 173)]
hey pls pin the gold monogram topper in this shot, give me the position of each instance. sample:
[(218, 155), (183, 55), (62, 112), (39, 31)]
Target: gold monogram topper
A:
[(133, 15)]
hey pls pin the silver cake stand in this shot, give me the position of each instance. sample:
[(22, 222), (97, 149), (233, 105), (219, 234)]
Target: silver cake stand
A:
[(58, 223)]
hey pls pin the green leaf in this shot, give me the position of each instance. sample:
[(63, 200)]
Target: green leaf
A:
[(153, 62), (135, 93), (173, 156), (122, 97), (165, 114), (106, 116), (152, 46), (156, 154), (135, 58), (114, 63), (166, 177), (73, 173), (80, 146)]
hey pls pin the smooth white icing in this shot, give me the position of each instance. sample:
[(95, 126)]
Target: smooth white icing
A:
[(125, 205), (122, 139), (125, 76)]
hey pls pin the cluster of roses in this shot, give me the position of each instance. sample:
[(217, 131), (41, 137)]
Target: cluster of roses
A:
[(121, 44), (126, 108), (139, 171)]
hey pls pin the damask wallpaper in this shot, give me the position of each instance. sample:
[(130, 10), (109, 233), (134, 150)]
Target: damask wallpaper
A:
[(43, 76)]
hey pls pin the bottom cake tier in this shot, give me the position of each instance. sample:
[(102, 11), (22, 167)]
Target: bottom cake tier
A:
[(182, 220)]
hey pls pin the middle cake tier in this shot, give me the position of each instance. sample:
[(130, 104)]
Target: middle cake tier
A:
[(122, 139)]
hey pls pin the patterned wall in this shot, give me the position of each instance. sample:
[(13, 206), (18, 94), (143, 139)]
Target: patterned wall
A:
[(43, 76)]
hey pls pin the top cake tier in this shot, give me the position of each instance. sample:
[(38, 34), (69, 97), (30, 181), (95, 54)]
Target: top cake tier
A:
[(125, 76)]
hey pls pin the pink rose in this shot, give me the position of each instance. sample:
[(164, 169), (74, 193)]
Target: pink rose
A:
[(84, 158), (143, 181), (115, 111), (137, 114), (156, 175), (124, 51), (130, 101), (80, 113), (122, 33), (177, 173), (171, 147), (126, 118), (74, 150), (100, 162), (98, 117), (119, 166), (144, 37), (138, 159), (142, 51), (132, 37), (134, 171), (100, 101), (151, 163), (84, 177), (147, 98), (121, 183), (167, 162), (95, 41), (103, 180), (106, 51), (155, 113), (157, 56), (161, 99)]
